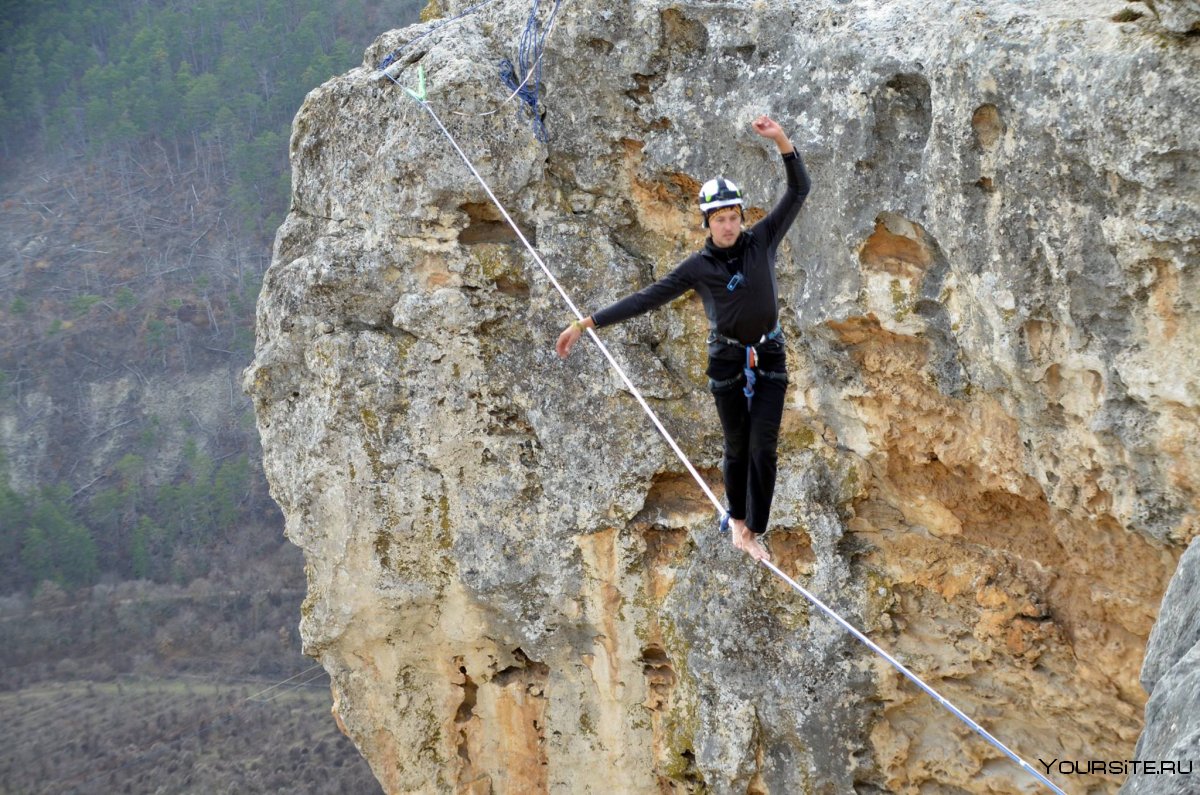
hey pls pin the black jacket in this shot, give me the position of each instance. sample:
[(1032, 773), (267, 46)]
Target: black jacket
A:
[(748, 312)]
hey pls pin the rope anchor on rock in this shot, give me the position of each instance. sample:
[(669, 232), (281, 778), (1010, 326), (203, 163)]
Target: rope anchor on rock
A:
[(419, 95)]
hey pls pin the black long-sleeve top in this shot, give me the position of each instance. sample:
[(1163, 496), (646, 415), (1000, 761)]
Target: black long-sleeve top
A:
[(751, 310)]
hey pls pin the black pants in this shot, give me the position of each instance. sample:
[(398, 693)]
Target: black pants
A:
[(751, 439)]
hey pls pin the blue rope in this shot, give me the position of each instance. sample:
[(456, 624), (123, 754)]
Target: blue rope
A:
[(525, 79)]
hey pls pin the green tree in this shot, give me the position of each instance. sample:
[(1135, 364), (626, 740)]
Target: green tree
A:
[(201, 102), (156, 333), (64, 62), (143, 535), (65, 125), (131, 468), (102, 109), (73, 554), (27, 83), (199, 463), (145, 69), (37, 555), (8, 122), (126, 299), (229, 487), (14, 518)]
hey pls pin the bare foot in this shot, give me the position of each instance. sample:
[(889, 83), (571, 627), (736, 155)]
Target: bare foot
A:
[(744, 539)]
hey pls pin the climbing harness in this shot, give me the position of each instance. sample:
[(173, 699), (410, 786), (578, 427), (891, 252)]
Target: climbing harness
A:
[(418, 96), (750, 372)]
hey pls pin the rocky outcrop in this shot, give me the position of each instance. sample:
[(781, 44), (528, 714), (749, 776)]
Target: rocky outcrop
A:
[(987, 458), (1177, 16), (1171, 675)]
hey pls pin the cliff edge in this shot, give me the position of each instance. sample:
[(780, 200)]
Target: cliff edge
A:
[(988, 457)]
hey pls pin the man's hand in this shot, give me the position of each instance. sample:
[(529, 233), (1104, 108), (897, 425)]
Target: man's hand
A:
[(570, 336), (769, 128)]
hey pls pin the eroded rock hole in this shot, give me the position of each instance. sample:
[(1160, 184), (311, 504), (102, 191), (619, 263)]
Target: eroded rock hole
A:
[(524, 670), (660, 676), (683, 35), (600, 46), (897, 246), (903, 112), (690, 775), (470, 692), (988, 126), (486, 225)]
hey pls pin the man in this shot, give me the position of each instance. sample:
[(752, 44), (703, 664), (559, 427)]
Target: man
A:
[(735, 276)]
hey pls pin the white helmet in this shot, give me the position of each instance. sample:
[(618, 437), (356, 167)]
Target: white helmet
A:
[(718, 193)]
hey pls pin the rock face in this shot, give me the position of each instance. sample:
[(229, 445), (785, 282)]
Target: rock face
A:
[(1178, 16), (1171, 674), (987, 459)]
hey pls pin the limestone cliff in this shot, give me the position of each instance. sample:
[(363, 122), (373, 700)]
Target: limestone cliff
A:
[(988, 457), (1171, 674)]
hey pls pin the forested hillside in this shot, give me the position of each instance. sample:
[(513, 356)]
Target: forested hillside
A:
[(143, 169), (211, 84)]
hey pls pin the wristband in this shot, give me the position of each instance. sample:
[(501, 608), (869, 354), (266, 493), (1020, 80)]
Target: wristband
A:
[(578, 325)]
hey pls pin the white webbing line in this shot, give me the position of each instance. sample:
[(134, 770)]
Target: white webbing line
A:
[(579, 316), (713, 497), (938, 697)]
